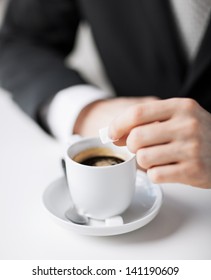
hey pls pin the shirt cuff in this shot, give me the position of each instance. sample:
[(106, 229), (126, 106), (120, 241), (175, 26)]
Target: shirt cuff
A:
[(65, 107)]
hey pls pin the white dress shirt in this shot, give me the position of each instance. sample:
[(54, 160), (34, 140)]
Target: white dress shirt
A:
[(66, 106)]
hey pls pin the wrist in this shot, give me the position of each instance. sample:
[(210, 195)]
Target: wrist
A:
[(84, 124)]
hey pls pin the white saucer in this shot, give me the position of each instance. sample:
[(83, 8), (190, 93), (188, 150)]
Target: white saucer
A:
[(145, 206)]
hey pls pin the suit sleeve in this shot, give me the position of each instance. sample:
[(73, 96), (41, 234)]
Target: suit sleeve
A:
[(35, 38)]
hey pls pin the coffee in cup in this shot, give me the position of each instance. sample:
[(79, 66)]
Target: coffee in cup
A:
[(99, 156)]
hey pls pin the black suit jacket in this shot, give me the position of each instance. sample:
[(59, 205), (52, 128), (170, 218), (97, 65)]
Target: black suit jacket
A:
[(137, 40)]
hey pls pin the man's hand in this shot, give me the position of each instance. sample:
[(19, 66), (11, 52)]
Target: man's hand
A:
[(100, 113), (171, 138)]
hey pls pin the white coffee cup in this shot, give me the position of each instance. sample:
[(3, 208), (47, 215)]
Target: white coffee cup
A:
[(104, 191)]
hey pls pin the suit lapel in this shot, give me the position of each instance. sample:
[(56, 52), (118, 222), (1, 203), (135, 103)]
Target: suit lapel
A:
[(164, 26), (162, 18), (200, 63)]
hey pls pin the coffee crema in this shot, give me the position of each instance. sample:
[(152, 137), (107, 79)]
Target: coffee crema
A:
[(98, 157)]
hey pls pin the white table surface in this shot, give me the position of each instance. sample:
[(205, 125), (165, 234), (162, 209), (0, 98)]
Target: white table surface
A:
[(30, 160)]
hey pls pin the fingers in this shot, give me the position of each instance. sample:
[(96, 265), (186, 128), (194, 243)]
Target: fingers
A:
[(141, 114), (173, 173), (170, 138), (149, 135), (185, 173), (159, 155)]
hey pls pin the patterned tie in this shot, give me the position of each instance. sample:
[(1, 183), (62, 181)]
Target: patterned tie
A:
[(192, 17)]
